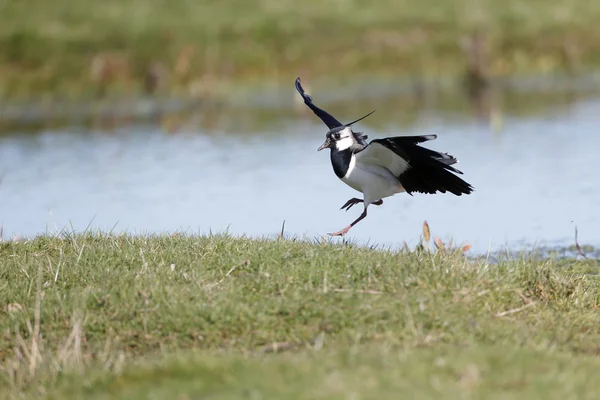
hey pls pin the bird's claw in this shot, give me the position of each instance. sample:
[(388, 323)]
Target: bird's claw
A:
[(350, 203)]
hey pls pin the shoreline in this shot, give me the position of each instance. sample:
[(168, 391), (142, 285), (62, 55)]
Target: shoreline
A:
[(521, 95)]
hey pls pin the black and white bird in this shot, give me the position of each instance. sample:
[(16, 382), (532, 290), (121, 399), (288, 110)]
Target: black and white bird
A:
[(383, 167)]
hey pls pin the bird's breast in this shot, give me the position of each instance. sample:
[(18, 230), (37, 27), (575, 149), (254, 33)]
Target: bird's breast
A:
[(376, 180), (353, 177)]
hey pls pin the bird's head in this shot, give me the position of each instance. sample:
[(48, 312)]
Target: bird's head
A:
[(340, 138), (343, 137)]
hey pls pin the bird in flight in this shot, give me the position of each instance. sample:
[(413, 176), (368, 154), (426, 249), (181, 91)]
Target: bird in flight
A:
[(383, 167)]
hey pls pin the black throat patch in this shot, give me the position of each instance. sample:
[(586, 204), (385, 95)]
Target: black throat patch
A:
[(340, 160)]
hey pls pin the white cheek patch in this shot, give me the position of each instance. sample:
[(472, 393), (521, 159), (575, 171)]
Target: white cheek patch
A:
[(344, 143)]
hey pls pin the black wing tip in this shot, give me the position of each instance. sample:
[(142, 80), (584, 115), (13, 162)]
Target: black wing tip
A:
[(300, 89), (327, 119), (467, 190)]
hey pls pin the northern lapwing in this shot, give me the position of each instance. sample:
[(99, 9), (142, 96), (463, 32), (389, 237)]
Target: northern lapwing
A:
[(383, 167)]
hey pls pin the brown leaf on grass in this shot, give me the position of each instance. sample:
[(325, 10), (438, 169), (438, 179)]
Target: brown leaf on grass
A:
[(466, 247), (426, 232), (439, 244)]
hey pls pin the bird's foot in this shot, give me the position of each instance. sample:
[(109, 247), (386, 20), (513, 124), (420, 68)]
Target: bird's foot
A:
[(378, 202), (353, 201), (342, 232)]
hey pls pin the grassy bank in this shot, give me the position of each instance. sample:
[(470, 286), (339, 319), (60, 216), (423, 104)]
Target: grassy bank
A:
[(74, 47), (97, 316)]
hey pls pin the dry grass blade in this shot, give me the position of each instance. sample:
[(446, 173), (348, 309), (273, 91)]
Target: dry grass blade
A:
[(278, 346), (515, 310), (579, 250), (13, 308), (71, 350), (231, 270), (358, 291), (35, 352), (280, 236)]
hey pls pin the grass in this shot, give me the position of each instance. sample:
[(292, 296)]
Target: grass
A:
[(72, 47), (106, 316)]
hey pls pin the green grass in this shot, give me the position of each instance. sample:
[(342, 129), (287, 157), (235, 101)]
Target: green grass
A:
[(193, 317), (49, 46)]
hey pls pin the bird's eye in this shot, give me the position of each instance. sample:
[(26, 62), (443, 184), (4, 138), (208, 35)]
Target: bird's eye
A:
[(336, 136)]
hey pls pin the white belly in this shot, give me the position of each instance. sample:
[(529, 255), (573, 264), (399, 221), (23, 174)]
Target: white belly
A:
[(373, 181)]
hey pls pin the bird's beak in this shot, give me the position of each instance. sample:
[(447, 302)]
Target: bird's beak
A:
[(324, 145)]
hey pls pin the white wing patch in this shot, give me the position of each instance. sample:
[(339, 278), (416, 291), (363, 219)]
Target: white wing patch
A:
[(377, 154)]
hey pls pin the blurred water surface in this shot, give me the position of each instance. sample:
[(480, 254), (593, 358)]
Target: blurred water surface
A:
[(246, 170)]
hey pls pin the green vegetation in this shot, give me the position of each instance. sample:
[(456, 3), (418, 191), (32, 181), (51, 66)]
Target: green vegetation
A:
[(116, 316), (74, 47)]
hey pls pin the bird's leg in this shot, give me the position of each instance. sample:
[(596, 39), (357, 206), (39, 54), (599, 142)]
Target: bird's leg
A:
[(350, 203), (354, 201), (346, 229)]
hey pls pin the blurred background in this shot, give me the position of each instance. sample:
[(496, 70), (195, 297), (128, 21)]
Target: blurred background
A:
[(154, 116)]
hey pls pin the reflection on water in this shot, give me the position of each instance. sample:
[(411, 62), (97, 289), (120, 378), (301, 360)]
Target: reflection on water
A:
[(534, 180), (262, 107)]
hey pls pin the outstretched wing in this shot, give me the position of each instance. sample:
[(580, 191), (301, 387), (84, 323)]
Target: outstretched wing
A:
[(418, 169), (329, 120), (407, 148)]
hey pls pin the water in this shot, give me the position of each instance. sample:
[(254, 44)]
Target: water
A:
[(535, 178)]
